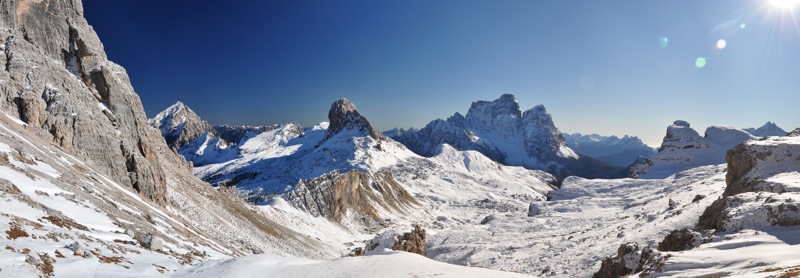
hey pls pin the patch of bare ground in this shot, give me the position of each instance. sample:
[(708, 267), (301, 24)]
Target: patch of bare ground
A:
[(16, 232), (65, 222), (787, 272), (45, 265)]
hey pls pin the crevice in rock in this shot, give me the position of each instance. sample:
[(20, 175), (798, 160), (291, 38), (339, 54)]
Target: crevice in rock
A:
[(130, 165), (7, 51)]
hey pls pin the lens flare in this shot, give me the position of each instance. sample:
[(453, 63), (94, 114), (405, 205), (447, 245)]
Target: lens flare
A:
[(700, 62), (742, 26), (721, 44), (663, 42)]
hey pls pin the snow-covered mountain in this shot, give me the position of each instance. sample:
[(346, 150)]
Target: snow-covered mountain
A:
[(609, 149), (89, 189), (376, 181), (683, 148), (180, 125), (768, 129), (502, 132)]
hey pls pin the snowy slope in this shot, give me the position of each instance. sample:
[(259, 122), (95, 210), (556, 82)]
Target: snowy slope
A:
[(289, 170), (394, 264), (609, 149), (683, 148), (61, 217), (584, 222), (751, 230), (504, 133)]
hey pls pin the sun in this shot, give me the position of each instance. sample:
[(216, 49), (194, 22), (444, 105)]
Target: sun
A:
[(784, 4)]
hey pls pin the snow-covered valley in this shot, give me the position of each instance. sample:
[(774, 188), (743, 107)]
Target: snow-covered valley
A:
[(90, 187)]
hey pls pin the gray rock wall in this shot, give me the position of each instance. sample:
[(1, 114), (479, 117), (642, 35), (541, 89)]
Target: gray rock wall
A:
[(56, 77)]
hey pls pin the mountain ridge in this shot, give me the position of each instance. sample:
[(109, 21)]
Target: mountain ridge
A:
[(609, 149), (503, 132)]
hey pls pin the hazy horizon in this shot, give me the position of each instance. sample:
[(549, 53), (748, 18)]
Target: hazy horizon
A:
[(626, 68)]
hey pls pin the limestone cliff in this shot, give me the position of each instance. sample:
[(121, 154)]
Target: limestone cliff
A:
[(56, 78)]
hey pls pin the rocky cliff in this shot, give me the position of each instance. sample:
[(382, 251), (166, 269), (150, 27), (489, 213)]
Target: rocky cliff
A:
[(78, 107), (335, 194), (58, 79), (762, 187)]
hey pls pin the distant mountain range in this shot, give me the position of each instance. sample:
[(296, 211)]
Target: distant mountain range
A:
[(768, 129), (610, 149)]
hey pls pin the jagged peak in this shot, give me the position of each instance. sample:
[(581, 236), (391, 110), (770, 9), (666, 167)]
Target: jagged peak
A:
[(180, 125), (168, 113), (538, 110), (344, 115), (506, 104), (341, 107)]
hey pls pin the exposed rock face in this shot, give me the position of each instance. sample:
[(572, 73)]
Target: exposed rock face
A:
[(180, 125), (80, 107), (794, 133), (683, 148), (631, 258), (57, 79), (412, 242), (609, 149), (768, 129), (343, 115), (333, 195), (761, 189), (502, 132), (679, 240)]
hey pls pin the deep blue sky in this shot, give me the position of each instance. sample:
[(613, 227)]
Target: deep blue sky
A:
[(597, 66)]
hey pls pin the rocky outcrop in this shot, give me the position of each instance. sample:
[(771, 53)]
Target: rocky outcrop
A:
[(631, 258), (180, 125), (768, 129), (355, 193), (683, 148), (760, 191), (680, 240), (412, 242), (501, 131), (794, 133), (344, 116)]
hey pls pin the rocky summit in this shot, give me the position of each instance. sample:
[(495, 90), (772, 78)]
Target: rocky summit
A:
[(344, 116), (502, 132), (180, 125)]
